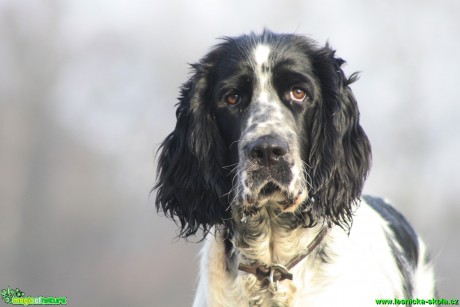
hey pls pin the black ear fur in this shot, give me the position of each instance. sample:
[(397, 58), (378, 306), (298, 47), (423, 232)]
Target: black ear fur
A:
[(340, 154), (190, 180)]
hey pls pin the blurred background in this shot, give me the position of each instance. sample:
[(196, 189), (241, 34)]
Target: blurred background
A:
[(87, 93)]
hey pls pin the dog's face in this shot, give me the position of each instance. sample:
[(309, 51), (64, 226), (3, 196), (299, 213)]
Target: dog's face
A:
[(265, 120), (261, 106)]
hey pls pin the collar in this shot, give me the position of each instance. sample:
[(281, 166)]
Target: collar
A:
[(278, 272)]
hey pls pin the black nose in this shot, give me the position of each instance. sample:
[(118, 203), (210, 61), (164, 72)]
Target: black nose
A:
[(268, 150)]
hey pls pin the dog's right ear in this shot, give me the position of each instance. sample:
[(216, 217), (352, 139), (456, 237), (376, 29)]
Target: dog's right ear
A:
[(190, 184)]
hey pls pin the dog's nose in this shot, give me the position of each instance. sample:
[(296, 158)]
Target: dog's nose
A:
[(268, 150)]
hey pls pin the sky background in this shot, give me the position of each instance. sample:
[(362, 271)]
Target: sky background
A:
[(87, 93)]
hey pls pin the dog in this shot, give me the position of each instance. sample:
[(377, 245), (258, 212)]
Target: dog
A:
[(268, 160)]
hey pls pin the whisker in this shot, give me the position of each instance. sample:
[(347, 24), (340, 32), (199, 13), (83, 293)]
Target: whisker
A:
[(308, 182), (233, 143), (230, 166)]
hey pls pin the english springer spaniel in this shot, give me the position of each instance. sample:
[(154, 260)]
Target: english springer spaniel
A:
[(268, 159)]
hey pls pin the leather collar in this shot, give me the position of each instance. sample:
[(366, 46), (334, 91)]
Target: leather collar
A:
[(278, 272)]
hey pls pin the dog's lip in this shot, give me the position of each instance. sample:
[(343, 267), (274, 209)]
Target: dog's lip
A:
[(297, 201), (274, 192), (270, 188), (277, 195)]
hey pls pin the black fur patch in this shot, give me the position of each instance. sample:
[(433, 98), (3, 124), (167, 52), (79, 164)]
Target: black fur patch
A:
[(405, 237)]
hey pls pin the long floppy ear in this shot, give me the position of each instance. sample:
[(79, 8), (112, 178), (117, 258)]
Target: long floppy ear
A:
[(340, 154), (190, 180)]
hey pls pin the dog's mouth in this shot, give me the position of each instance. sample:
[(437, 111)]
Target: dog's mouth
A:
[(269, 189), (273, 194)]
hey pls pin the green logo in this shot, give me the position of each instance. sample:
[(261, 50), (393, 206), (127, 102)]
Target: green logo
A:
[(8, 294), (17, 297)]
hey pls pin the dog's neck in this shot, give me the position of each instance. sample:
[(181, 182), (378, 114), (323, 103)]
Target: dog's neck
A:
[(270, 236)]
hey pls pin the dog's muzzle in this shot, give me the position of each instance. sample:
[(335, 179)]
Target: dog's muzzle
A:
[(270, 175)]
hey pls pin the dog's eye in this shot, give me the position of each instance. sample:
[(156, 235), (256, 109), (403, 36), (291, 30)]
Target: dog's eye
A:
[(232, 99), (297, 94)]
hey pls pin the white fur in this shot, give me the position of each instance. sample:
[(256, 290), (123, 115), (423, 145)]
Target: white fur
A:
[(424, 275), (360, 267), (261, 53)]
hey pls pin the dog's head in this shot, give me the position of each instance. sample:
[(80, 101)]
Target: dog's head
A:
[(265, 120)]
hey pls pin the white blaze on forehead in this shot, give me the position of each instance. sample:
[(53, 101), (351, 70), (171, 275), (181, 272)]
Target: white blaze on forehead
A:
[(261, 54)]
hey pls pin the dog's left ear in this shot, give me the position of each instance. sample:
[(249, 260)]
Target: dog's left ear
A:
[(340, 154)]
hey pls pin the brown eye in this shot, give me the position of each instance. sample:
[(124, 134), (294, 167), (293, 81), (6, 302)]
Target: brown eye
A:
[(297, 94), (232, 99)]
